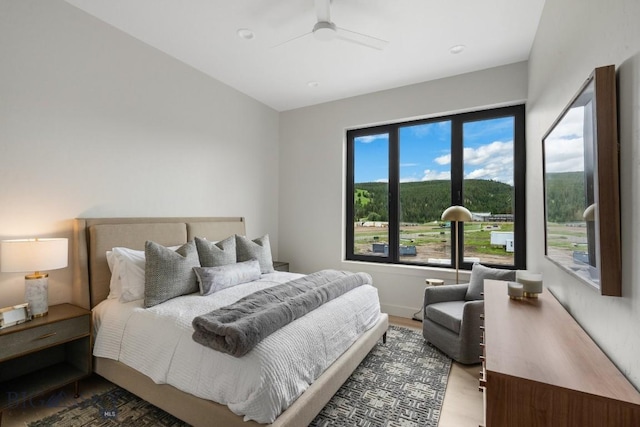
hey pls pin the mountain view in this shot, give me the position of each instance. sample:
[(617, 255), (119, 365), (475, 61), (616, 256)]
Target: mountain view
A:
[(424, 201)]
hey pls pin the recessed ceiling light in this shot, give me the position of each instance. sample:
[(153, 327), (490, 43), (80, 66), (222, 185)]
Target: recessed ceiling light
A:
[(245, 33), (313, 83), (457, 48)]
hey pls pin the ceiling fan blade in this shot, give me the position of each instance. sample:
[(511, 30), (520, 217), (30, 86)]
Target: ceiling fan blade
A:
[(323, 13), (361, 39), (292, 40)]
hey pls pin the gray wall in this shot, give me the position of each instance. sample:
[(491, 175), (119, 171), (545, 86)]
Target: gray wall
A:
[(574, 37), (96, 123)]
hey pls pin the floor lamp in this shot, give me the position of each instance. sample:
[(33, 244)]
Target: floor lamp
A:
[(456, 214)]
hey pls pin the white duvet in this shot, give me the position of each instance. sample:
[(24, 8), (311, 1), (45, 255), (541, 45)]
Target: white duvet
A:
[(157, 342)]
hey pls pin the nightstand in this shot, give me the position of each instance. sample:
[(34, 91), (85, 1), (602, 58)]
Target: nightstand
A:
[(44, 354), (280, 266)]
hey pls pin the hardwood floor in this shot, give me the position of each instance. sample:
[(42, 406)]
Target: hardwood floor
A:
[(462, 405)]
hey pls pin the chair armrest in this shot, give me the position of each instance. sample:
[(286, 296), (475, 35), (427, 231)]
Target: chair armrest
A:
[(471, 321), (434, 294)]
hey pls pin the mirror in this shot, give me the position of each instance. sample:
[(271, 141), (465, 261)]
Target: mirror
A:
[(581, 186)]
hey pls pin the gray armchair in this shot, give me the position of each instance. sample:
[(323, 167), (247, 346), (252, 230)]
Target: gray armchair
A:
[(451, 314), (451, 323)]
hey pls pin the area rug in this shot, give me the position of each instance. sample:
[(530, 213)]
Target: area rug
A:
[(399, 384)]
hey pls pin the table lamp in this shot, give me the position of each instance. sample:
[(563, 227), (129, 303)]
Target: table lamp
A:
[(25, 255), (456, 214)]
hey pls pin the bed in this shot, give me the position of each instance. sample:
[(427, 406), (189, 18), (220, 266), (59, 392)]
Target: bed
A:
[(95, 236)]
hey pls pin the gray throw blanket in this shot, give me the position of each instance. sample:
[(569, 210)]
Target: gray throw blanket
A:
[(237, 328)]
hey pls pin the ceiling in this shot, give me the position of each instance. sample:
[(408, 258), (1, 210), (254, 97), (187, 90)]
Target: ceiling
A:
[(307, 71)]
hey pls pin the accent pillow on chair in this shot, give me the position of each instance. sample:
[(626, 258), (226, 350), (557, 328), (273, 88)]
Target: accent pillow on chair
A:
[(479, 273)]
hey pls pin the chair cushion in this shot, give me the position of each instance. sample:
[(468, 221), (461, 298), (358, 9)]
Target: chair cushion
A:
[(447, 314), (479, 273)]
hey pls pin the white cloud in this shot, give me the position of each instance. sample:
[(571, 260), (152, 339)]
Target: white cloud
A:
[(431, 175), (409, 179), (564, 147), (443, 160), (371, 138), (492, 161)]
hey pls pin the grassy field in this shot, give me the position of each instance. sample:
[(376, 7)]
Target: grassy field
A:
[(432, 240)]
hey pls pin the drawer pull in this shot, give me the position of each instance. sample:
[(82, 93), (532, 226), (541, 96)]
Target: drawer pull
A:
[(46, 336)]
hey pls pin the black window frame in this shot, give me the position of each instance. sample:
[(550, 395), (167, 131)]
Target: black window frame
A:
[(457, 179)]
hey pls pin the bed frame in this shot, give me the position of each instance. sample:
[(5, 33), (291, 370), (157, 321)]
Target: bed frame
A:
[(94, 236)]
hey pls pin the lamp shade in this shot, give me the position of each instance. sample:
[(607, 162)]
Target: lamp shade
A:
[(589, 214), (24, 255), (456, 213)]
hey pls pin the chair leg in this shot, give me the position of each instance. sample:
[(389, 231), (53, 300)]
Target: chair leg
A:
[(384, 338)]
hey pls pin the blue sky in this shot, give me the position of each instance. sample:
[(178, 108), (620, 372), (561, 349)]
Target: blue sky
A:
[(425, 152)]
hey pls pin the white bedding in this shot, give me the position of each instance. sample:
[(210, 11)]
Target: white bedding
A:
[(157, 342)]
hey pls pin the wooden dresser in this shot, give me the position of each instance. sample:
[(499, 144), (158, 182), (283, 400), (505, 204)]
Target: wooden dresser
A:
[(540, 368)]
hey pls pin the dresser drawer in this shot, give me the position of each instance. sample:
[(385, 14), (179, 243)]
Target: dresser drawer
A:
[(32, 339)]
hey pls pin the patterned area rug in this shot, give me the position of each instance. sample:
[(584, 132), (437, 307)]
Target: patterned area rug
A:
[(399, 384)]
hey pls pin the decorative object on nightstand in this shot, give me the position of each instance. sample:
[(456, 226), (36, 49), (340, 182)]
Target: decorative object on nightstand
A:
[(14, 315), (37, 255), (456, 214)]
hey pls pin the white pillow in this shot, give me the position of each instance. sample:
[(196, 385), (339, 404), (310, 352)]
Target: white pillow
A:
[(115, 285), (129, 264), (131, 271)]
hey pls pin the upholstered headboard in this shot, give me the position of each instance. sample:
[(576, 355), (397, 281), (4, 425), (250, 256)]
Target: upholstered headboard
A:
[(95, 236)]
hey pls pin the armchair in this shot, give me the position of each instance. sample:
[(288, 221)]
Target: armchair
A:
[(451, 314)]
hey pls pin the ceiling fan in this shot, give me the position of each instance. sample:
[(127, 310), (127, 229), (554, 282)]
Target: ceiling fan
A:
[(326, 30)]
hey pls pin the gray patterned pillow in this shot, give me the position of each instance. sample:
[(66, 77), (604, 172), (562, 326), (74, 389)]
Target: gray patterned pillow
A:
[(169, 274), (214, 279), (214, 254), (259, 249), (478, 273)]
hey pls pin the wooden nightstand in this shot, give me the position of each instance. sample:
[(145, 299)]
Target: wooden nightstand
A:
[(280, 266), (44, 354)]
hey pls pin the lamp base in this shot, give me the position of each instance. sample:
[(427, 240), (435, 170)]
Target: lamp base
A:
[(36, 294)]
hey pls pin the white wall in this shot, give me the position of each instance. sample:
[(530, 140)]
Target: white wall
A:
[(312, 183), (574, 37), (96, 123)]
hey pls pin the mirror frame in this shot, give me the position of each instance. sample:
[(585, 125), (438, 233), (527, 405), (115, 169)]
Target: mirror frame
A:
[(605, 181)]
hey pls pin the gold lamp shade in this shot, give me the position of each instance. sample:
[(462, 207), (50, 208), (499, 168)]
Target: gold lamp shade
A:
[(456, 213), (34, 255)]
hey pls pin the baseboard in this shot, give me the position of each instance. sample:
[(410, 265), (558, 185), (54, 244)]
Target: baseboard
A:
[(401, 311)]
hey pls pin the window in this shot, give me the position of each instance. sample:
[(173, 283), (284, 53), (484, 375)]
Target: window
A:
[(402, 176)]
